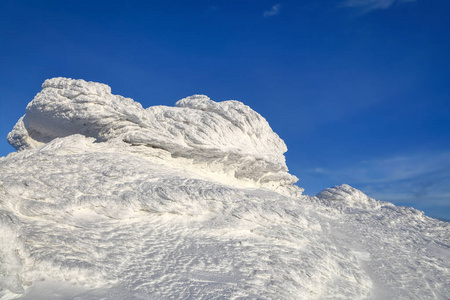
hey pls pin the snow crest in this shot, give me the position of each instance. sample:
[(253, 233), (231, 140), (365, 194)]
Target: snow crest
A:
[(226, 137), (347, 196), (107, 200)]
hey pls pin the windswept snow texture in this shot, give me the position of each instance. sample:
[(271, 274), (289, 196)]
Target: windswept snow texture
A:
[(227, 136), (107, 200)]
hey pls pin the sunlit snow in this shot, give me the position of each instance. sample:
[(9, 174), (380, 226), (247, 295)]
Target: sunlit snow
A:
[(107, 200)]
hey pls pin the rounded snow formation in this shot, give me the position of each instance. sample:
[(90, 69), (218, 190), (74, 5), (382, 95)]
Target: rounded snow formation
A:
[(224, 137), (348, 196), (107, 200), (86, 220)]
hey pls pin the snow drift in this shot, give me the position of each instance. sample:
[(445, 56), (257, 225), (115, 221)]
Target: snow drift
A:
[(228, 136), (105, 199)]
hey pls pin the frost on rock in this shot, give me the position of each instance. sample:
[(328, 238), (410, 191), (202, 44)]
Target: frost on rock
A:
[(227, 137), (107, 200), (348, 196)]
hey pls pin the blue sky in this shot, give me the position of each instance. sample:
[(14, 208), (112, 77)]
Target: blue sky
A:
[(358, 89)]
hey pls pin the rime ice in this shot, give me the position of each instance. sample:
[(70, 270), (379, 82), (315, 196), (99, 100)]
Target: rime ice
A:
[(106, 199)]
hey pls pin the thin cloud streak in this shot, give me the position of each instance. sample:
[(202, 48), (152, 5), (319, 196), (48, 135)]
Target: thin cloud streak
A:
[(371, 5), (391, 169), (275, 10)]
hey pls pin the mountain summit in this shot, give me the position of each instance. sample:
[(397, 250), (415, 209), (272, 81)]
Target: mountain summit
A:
[(107, 200)]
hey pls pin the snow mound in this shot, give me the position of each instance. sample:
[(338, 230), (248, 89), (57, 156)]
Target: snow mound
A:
[(107, 200), (348, 196), (117, 226), (84, 220), (227, 137)]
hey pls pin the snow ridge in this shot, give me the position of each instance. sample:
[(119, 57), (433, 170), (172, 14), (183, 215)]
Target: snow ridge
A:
[(107, 200), (227, 137)]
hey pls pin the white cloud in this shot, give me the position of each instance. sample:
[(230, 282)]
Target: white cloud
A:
[(392, 169), (370, 5), (275, 10)]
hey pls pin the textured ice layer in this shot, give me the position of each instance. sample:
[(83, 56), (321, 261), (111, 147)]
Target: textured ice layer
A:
[(347, 196), (228, 137), (86, 220), (107, 200)]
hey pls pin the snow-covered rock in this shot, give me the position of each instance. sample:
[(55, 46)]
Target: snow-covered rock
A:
[(227, 137), (107, 200), (347, 196)]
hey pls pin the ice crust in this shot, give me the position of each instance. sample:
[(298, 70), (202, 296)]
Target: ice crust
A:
[(227, 137), (106, 200)]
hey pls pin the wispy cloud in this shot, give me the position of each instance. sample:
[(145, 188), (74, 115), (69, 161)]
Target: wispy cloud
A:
[(275, 10), (370, 5), (391, 169)]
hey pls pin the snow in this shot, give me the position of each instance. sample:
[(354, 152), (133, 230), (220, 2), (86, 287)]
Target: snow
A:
[(227, 137), (107, 200)]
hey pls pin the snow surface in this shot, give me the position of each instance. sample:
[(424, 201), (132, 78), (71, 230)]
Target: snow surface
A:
[(107, 200), (228, 137)]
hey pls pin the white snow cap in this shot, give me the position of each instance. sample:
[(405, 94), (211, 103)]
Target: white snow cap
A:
[(228, 134), (108, 200), (349, 197)]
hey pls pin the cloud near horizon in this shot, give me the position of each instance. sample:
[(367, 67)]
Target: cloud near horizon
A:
[(273, 11), (371, 5), (397, 168)]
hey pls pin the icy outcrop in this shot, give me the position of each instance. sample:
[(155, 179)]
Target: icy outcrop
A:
[(347, 196), (228, 137), (107, 200), (84, 220)]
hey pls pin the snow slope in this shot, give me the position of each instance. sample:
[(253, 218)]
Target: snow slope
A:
[(107, 200)]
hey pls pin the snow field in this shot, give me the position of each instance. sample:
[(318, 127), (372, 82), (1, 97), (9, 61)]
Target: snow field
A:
[(107, 200)]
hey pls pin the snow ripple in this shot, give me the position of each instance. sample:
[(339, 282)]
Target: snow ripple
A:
[(111, 222)]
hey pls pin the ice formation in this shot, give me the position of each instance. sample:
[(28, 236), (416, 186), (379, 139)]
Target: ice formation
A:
[(107, 200), (228, 136)]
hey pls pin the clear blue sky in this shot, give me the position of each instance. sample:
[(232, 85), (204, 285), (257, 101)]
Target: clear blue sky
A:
[(358, 89)]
